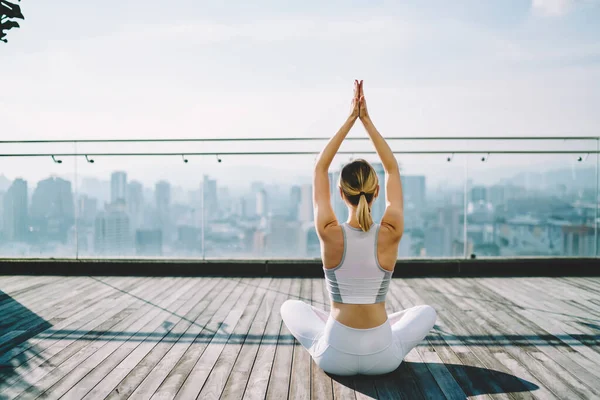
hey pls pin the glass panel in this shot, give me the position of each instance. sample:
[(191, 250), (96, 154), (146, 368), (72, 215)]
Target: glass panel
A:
[(532, 204), (139, 206), (37, 213), (260, 206)]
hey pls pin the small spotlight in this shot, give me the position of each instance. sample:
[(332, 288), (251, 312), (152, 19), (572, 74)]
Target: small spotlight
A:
[(184, 159), (56, 161), (583, 159), (449, 159), (485, 158), (218, 159), (89, 159)]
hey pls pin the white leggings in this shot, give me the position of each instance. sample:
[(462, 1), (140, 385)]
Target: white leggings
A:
[(341, 350)]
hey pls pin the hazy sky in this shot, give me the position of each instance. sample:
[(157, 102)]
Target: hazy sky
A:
[(132, 68)]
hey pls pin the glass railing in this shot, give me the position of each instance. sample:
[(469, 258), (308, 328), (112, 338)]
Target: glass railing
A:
[(252, 199)]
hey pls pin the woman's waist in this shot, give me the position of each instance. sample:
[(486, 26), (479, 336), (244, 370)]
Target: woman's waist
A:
[(359, 316)]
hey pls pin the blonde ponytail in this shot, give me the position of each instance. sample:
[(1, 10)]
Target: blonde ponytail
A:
[(359, 182), (363, 213)]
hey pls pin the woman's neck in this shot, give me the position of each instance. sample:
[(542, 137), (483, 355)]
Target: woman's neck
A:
[(352, 218)]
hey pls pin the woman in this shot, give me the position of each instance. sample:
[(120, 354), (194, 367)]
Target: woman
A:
[(357, 336)]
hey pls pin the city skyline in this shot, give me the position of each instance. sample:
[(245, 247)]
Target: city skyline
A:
[(542, 213)]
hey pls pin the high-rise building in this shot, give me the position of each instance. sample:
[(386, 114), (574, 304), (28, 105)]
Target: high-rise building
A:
[(378, 206), (118, 186), (497, 194), (162, 192), (1, 212), (87, 209), (295, 198), (478, 194), (52, 209), (262, 206), (15, 211), (148, 242), (211, 205), (413, 188), (282, 238), (305, 213), (135, 204), (112, 233), (339, 206)]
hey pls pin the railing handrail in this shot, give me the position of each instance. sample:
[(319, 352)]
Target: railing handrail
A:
[(284, 139), (277, 153)]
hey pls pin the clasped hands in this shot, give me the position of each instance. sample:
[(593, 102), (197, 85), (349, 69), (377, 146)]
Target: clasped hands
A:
[(359, 104)]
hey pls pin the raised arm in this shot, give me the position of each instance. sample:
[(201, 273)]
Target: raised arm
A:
[(393, 218), (324, 215)]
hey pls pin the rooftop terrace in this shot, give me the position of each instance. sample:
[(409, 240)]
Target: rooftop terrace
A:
[(97, 337)]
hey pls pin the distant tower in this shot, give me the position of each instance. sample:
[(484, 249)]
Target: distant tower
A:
[(15, 211), (163, 200), (118, 187), (305, 213), (262, 206), (378, 207), (295, 199)]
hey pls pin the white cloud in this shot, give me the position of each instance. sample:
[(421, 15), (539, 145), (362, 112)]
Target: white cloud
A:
[(556, 8), (552, 7)]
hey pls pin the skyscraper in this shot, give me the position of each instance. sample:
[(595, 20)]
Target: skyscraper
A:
[(478, 193), (305, 213), (52, 209), (87, 209), (262, 206), (339, 206), (163, 200), (135, 204), (378, 207), (211, 205), (413, 187), (15, 211), (118, 186), (112, 233), (295, 198)]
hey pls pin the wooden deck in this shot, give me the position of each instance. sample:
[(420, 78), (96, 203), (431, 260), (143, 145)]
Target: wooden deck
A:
[(208, 338)]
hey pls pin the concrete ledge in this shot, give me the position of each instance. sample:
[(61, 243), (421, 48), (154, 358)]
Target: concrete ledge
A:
[(301, 268)]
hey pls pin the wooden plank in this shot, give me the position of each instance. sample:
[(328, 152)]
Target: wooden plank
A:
[(492, 343), (39, 345), (551, 325), (523, 351), (188, 382), (150, 325), (73, 383), (197, 316), (64, 357), (15, 307), (258, 381), (215, 383), (547, 346), (301, 364), (279, 381), (159, 329), (54, 382), (32, 359), (321, 385), (453, 313), (30, 323), (413, 364), (444, 378), (240, 373)]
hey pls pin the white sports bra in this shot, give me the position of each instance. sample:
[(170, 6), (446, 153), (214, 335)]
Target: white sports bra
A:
[(358, 279)]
